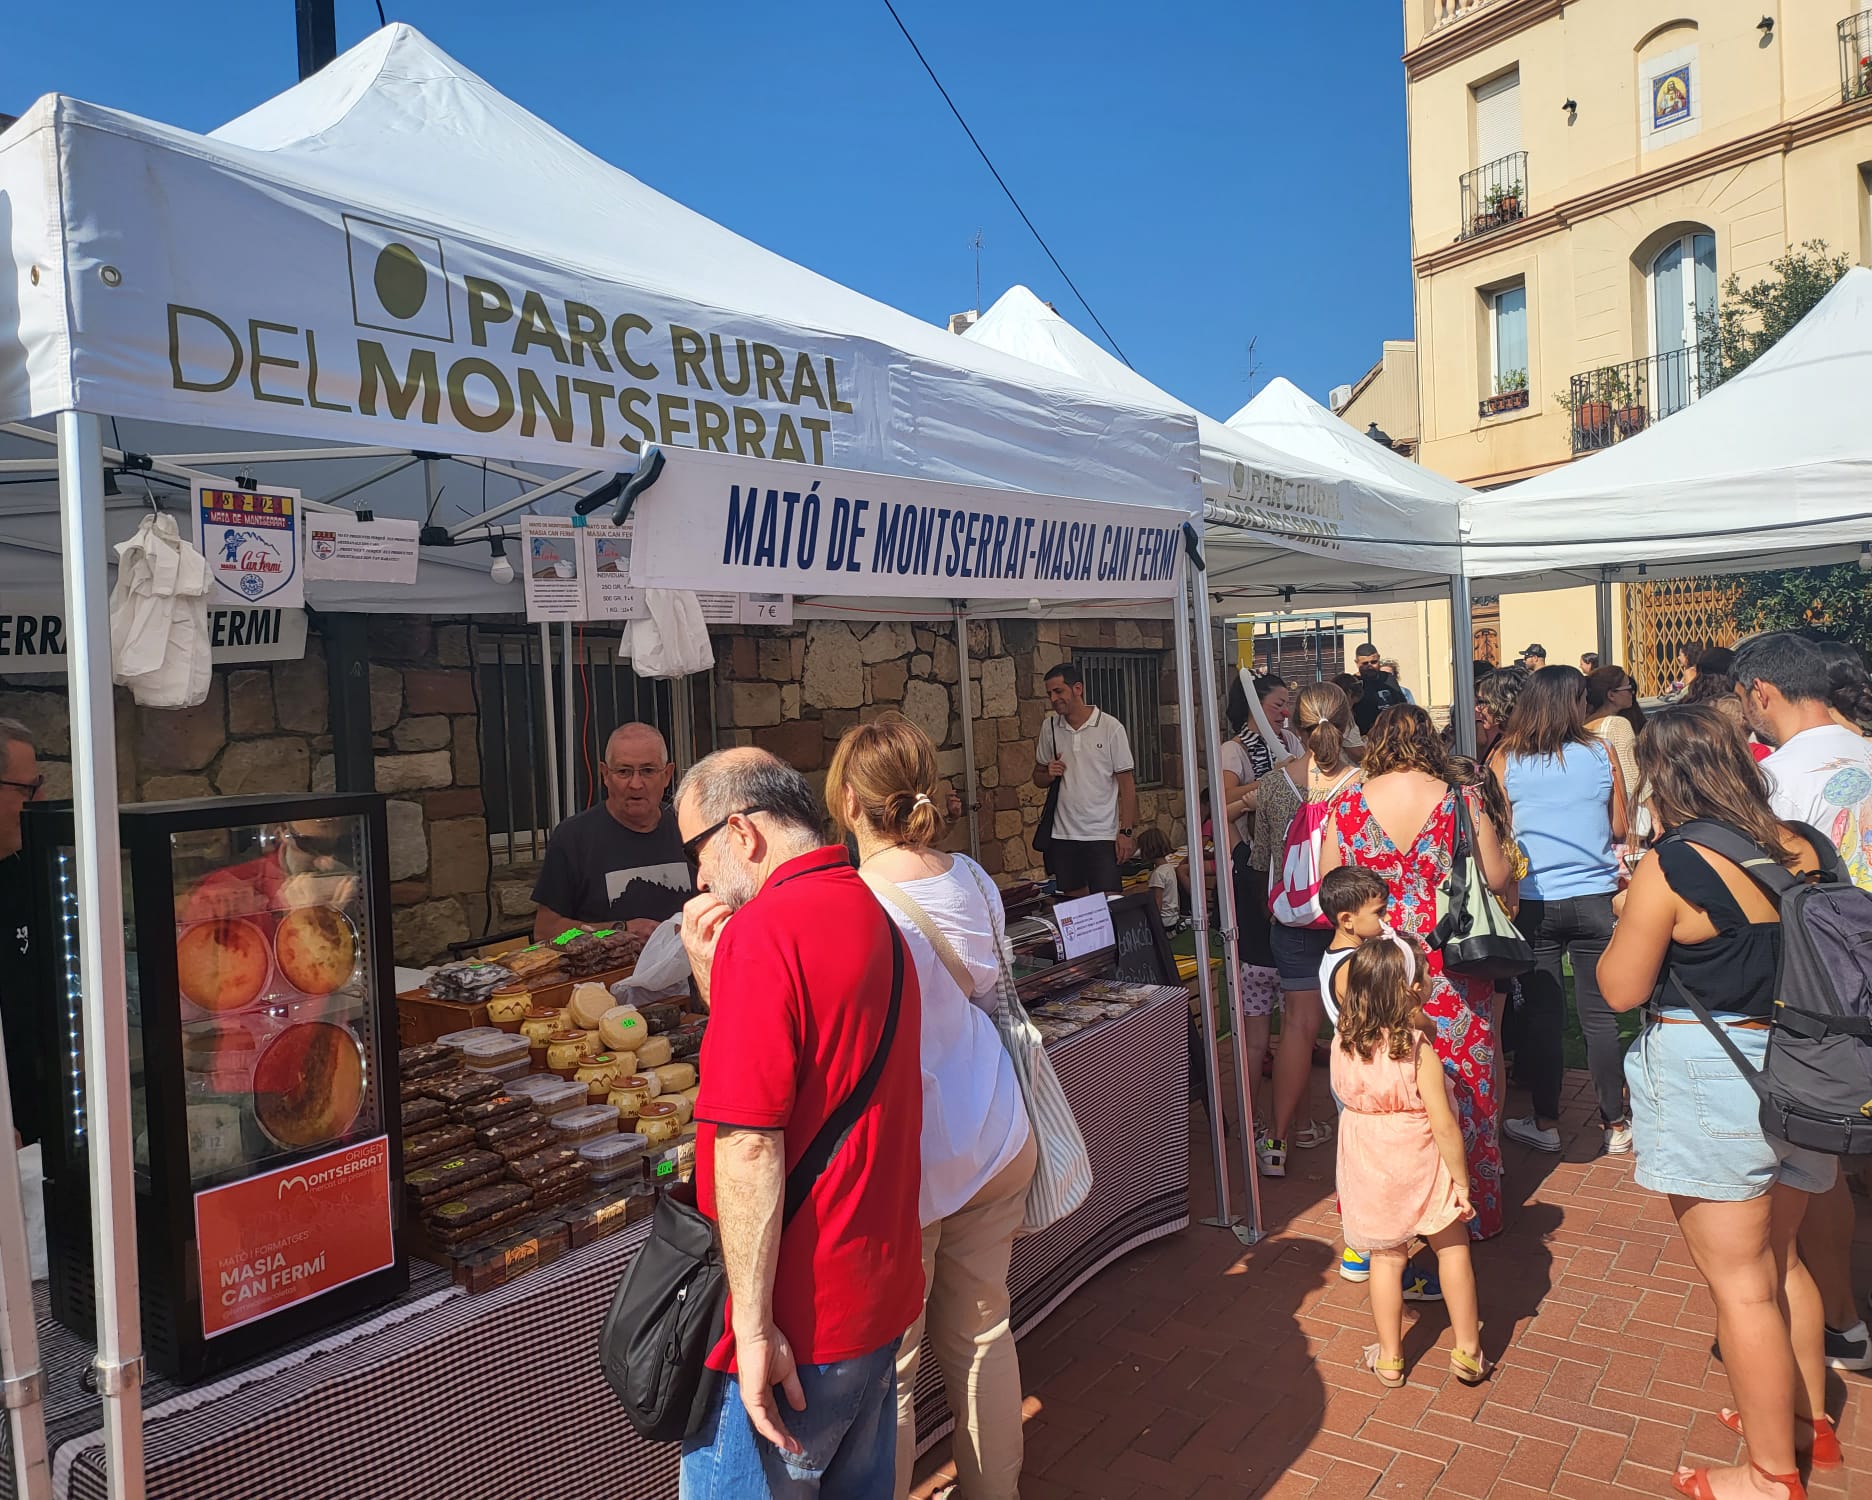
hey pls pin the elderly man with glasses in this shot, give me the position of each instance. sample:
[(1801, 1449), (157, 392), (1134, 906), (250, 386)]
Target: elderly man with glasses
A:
[(621, 862), (20, 783)]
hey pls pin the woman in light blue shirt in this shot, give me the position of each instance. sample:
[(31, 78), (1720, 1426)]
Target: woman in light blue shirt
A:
[(1567, 796)]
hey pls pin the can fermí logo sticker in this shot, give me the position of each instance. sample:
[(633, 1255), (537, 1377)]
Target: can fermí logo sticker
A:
[(251, 541)]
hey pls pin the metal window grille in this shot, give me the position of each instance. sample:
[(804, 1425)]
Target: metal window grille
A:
[(1127, 685), (515, 701)]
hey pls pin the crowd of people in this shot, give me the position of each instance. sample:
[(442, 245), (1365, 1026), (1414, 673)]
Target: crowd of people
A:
[(1582, 809)]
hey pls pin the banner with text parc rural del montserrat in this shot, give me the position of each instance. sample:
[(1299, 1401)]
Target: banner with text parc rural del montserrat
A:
[(725, 523), (293, 314)]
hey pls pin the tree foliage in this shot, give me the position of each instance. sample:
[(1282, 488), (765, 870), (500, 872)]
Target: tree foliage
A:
[(1748, 323)]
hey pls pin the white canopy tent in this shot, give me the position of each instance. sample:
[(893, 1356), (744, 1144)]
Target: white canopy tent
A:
[(400, 273), (1293, 515), (1772, 469)]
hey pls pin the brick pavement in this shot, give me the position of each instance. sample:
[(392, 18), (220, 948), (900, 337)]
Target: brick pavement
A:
[(1198, 1367)]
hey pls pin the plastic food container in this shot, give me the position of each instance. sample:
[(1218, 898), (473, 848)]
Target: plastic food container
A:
[(456, 1040), (549, 1095), (508, 1072), (487, 1053), (615, 1157), (586, 1123)]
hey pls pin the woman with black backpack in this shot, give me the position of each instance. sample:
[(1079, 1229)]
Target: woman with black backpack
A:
[(1694, 920)]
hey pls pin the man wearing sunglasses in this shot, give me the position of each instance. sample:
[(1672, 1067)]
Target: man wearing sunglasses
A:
[(793, 955), (620, 863), (20, 783)]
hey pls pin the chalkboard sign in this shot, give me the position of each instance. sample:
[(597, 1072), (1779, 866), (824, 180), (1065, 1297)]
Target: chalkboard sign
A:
[(1143, 953)]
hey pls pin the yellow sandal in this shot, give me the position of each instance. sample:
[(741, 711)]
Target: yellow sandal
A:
[(1470, 1369), (1390, 1372)]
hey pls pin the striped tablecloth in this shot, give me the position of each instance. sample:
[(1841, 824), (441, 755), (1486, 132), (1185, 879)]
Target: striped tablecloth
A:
[(499, 1396)]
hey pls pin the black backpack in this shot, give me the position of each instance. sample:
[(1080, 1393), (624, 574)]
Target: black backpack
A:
[(669, 1309), (1816, 1082)]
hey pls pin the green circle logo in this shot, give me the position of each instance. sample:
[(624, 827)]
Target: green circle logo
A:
[(401, 281)]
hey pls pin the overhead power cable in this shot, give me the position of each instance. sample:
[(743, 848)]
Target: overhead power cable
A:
[(986, 161)]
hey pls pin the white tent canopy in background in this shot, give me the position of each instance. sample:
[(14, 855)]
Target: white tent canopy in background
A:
[(1772, 469), (1323, 524), (392, 253)]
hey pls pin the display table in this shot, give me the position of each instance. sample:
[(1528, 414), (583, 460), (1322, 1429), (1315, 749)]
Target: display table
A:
[(500, 1395)]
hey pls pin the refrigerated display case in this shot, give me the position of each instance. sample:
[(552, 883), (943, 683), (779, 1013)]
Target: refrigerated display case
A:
[(263, 1085)]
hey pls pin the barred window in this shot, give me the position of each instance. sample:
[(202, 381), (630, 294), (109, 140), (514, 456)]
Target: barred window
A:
[(1126, 685), (515, 750)]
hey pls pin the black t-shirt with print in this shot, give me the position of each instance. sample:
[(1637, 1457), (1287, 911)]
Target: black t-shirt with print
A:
[(22, 1017), (1382, 691), (597, 870)]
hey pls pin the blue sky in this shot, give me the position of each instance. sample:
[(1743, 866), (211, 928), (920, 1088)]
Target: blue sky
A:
[(1206, 172)]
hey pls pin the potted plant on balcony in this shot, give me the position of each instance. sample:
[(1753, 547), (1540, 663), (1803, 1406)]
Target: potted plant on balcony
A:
[(1510, 394), (1588, 400), (1865, 75), (1507, 203), (1629, 414)]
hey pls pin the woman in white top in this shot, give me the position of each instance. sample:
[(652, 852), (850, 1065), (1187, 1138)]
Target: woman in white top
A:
[(978, 1150)]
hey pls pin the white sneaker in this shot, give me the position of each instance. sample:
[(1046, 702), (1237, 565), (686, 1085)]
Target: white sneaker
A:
[(1529, 1133), (1618, 1141)]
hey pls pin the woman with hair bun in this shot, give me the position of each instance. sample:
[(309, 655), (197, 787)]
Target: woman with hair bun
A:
[(1322, 718), (1849, 694), (977, 1146), (1398, 819)]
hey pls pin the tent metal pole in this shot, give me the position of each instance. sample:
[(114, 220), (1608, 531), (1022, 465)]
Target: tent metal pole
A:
[(1602, 609), (1462, 668), (344, 492), (521, 501), (970, 777), (571, 721), (1199, 913), (24, 1388), (101, 964), (1252, 1231), (555, 809)]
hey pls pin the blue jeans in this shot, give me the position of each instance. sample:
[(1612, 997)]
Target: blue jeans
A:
[(849, 1432)]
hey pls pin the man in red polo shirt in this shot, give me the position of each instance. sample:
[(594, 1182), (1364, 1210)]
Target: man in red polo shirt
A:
[(793, 957)]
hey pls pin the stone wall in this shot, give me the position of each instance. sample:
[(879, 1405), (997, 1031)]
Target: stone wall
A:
[(266, 729), (794, 690)]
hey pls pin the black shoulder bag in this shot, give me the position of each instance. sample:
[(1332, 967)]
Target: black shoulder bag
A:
[(667, 1313), (1043, 830)]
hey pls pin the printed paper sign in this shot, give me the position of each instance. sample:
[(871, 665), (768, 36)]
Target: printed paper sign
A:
[(555, 585), (766, 609), (273, 1241), (716, 520), (1085, 925), (605, 560), (345, 549), (251, 541)]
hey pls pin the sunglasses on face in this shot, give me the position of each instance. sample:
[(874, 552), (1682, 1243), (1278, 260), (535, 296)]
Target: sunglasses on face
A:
[(692, 848)]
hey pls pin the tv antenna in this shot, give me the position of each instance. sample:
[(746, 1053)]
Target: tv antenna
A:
[(1254, 368), (976, 243)]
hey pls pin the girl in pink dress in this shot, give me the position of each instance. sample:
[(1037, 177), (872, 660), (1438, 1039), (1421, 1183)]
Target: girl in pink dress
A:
[(1407, 782), (1401, 1167)]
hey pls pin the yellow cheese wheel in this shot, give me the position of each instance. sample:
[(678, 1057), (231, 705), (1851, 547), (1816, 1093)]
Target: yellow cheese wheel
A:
[(589, 1002), (674, 1078), (623, 1029), (654, 1052)]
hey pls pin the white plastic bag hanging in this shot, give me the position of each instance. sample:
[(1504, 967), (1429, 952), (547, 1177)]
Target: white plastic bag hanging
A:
[(159, 617), (662, 968), (674, 641)]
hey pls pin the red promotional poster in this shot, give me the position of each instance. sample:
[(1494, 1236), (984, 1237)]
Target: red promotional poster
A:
[(272, 1241)]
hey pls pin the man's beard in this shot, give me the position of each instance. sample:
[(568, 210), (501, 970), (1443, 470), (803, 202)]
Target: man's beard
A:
[(735, 884)]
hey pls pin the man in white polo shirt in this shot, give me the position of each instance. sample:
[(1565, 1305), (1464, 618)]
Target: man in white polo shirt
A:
[(1097, 809)]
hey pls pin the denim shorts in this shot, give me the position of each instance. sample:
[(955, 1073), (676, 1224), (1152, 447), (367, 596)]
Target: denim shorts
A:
[(1297, 954), (1696, 1121)]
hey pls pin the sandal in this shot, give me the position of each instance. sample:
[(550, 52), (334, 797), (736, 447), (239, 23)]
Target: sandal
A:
[(1390, 1372), (1823, 1447), (1470, 1369), (1312, 1135), (1695, 1483)]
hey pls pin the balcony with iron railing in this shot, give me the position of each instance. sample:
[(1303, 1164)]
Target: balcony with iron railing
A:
[(1855, 54), (1615, 402), (1494, 195)]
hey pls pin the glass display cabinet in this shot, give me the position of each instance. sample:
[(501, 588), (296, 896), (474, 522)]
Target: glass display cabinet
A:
[(263, 1084)]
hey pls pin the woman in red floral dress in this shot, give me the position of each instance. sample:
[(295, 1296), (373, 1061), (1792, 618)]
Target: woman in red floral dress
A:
[(1398, 821)]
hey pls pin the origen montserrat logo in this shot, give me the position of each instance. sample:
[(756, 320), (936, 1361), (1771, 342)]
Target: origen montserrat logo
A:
[(399, 280)]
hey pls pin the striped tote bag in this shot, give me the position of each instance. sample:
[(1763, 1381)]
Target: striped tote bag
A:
[(1062, 1168)]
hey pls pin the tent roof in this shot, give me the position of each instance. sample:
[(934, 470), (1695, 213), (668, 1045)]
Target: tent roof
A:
[(280, 225), (1312, 504), (1286, 418), (1770, 469)]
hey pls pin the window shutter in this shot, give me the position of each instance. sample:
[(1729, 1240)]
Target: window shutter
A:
[(1498, 117)]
